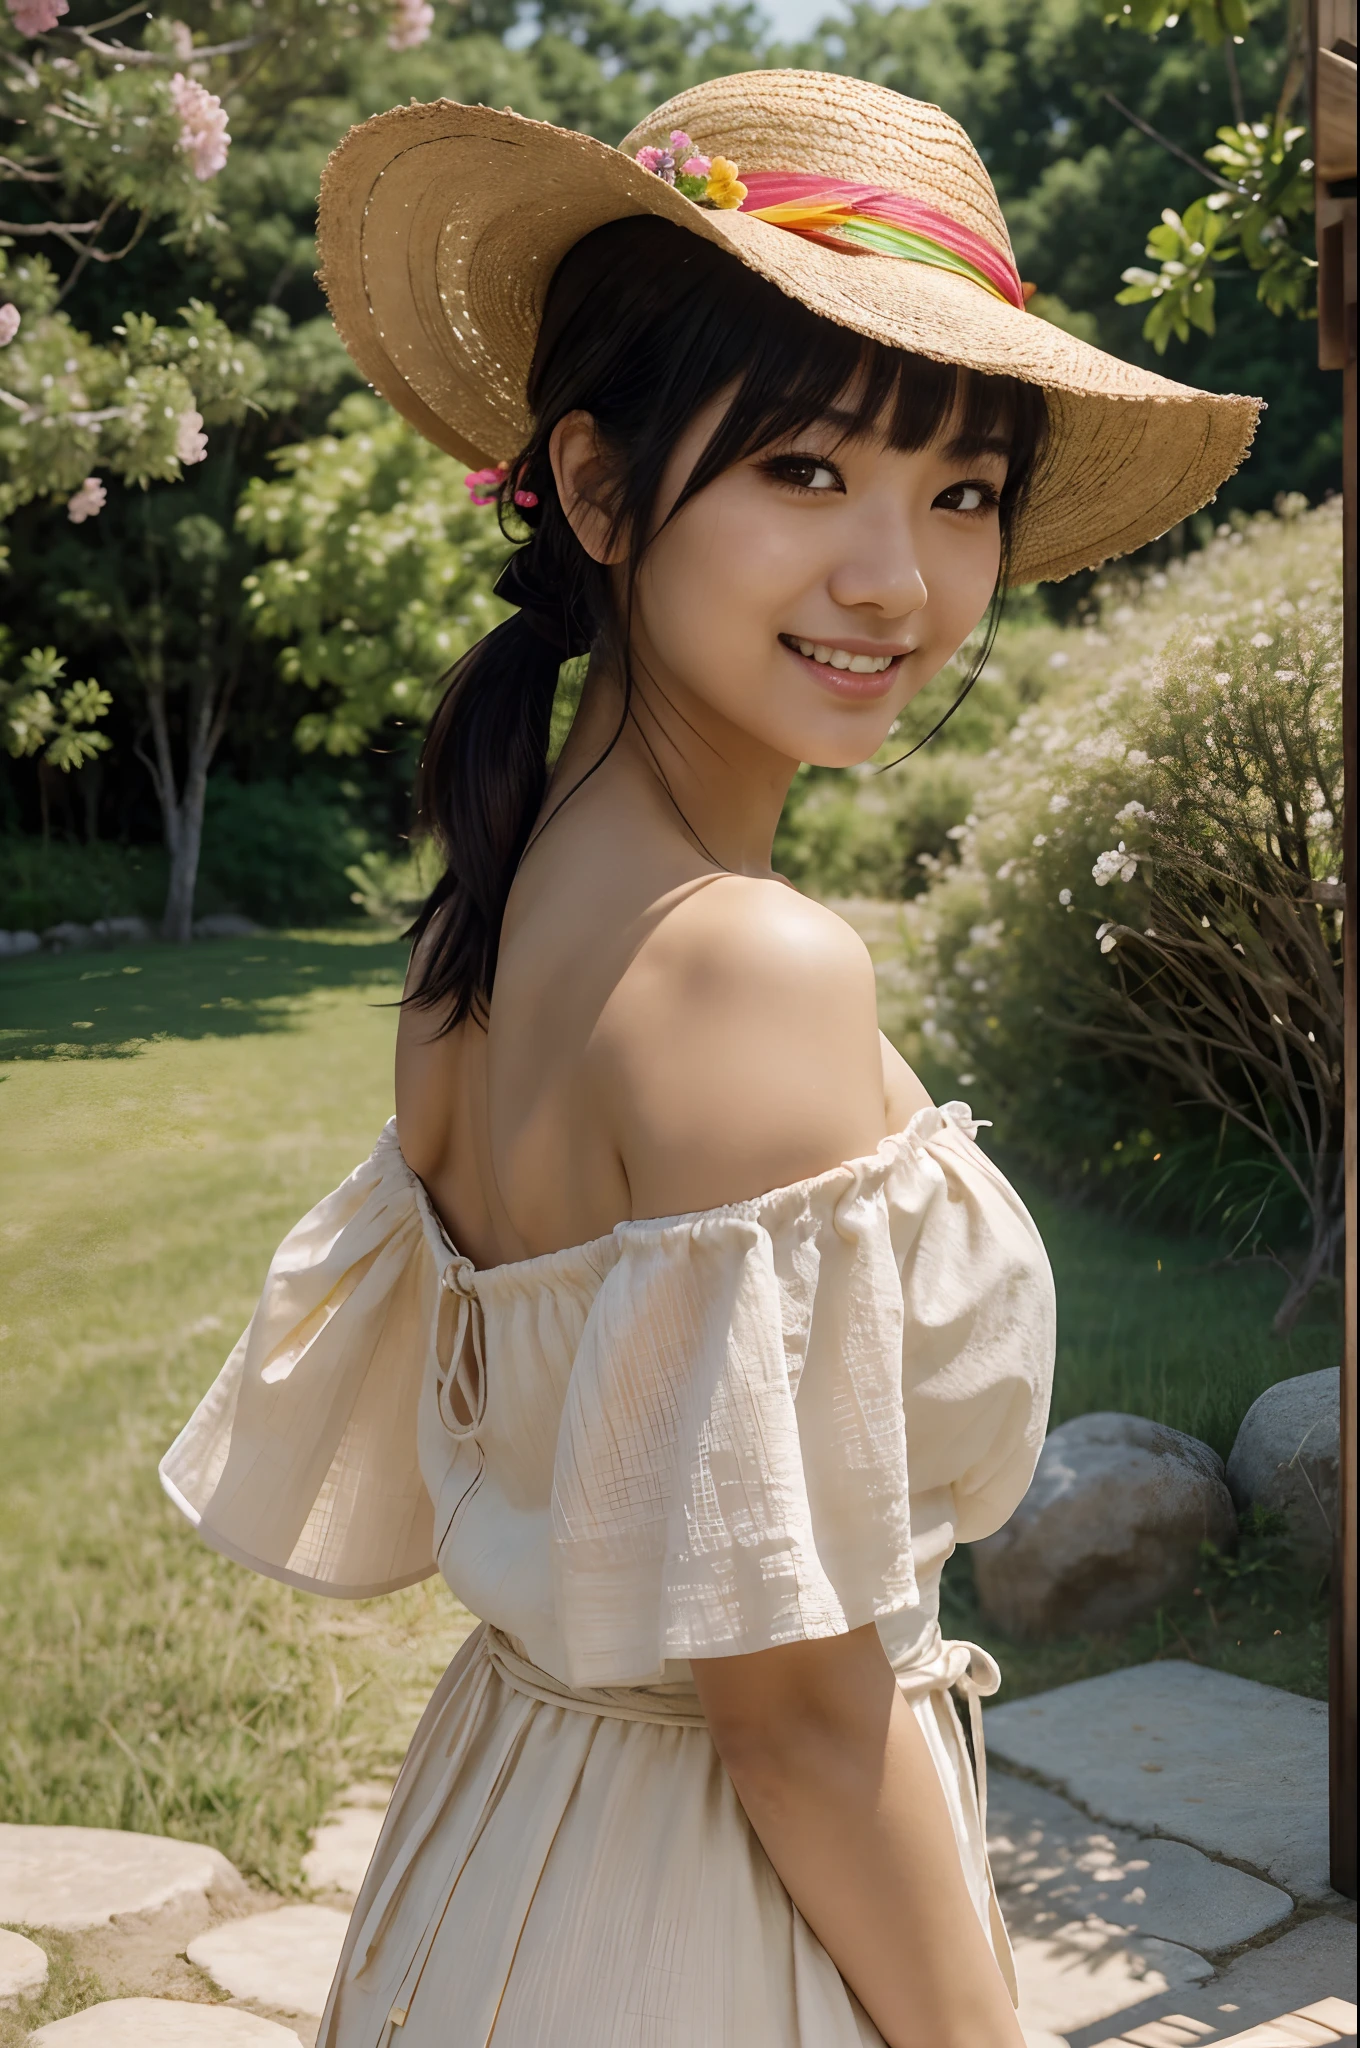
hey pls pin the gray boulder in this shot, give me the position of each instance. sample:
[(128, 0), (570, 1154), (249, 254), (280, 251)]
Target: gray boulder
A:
[(1111, 1526), (14, 944), (1287, 1458), (122, 931), (67, 937)]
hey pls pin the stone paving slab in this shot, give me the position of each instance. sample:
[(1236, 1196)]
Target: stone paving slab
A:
[(1230, 1766), (1309, 1968), (284, 1959), (23, 1968), (343, 1845), (162, 2023), (75, 1878), (1090, 1971), (1053, 1865)]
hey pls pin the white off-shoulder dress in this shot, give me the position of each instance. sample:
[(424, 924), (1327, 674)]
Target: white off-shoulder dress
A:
[(699, 1436)]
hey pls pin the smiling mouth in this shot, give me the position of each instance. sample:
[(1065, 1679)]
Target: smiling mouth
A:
[(840, 657)]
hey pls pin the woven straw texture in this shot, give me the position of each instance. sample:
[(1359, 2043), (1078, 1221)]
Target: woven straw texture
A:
[(441, 227)]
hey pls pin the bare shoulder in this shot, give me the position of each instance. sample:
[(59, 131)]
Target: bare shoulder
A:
[(741, 1049)]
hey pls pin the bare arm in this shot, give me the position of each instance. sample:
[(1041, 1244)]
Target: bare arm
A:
[(746, 1056), (836, 1779)]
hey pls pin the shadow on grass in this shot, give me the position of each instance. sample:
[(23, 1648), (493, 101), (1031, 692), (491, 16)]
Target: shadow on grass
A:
[(112, 1005)]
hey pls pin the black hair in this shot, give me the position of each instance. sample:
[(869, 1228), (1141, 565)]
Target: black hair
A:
[(644, 323)]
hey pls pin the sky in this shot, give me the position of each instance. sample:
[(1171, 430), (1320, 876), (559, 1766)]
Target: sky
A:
[(793, 18)]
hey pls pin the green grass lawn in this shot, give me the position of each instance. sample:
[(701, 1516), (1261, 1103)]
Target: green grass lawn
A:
[(164, 1117)]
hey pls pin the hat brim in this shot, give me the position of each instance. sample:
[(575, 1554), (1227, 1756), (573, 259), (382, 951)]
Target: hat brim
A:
[(441, 227)]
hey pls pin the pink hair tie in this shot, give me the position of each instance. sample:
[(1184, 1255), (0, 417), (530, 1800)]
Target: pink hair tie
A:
[(484, 485)]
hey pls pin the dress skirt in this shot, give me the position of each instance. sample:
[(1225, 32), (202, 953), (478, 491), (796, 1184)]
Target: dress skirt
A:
[(575, 1870)]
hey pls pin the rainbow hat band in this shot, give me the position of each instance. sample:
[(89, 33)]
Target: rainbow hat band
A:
[(842, 215)]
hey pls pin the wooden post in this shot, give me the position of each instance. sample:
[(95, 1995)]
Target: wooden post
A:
[(1333, 54)]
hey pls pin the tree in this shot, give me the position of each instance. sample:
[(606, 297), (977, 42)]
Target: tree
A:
[(1260, 211), (378, 575), (107, 137)]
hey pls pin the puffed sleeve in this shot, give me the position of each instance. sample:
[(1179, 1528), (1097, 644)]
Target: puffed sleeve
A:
[(301, 1460), (731, 1465), (979, 1323)]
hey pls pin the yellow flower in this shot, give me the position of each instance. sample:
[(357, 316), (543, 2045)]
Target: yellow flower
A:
[(724, 188)]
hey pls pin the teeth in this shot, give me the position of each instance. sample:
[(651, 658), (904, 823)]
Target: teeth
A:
[(836, 657)]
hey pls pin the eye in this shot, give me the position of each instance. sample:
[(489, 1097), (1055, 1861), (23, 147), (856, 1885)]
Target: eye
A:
[(804, 473), (973, 497)]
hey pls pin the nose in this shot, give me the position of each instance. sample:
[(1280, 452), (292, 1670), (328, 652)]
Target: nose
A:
[(880, 568)]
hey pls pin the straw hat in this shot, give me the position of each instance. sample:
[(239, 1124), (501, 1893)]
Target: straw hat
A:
[(441, 227)]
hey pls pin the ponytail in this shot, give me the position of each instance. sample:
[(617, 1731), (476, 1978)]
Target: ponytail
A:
[(484, 766)]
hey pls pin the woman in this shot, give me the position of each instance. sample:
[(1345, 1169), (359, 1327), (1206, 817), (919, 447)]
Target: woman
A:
[(671, 1322)]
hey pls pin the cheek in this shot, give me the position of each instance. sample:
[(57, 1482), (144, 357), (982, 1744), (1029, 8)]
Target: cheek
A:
[(960, 578), (711, 586)]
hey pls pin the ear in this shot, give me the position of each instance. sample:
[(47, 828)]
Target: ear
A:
[(582, 472)]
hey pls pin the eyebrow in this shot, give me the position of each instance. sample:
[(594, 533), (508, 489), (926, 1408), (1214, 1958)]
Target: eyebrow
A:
[(958, 450), (964, 445)]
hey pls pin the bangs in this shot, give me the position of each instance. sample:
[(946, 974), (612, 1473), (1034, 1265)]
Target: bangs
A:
[(802, 370), (686, 321)]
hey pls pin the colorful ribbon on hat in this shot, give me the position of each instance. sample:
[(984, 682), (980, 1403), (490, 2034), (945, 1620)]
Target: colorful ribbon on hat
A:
[(843, 215)]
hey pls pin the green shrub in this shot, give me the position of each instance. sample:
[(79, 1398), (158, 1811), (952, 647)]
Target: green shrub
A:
[(392, 886), (44, 885), (274, 851), (279, 851), (1135, 962)]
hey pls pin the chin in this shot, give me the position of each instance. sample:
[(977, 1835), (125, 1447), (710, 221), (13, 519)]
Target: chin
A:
[(850, 753), (844, 742)]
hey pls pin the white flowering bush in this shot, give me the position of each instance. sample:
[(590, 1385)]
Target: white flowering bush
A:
[(1147, 912)]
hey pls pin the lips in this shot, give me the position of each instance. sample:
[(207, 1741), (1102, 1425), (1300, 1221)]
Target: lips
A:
[(854, 673), (841, 657)]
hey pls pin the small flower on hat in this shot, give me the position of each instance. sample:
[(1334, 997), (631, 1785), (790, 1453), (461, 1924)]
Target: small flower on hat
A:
[(725, 189), (712, 183), (660, 162)]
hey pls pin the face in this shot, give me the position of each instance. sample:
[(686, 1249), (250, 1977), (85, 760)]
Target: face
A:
[(807, 594)]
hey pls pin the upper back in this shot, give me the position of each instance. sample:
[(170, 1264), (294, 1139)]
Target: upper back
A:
[(663, 1037)]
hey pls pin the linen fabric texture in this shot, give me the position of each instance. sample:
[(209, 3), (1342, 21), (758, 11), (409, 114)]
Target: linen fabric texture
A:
[(699, 1436)]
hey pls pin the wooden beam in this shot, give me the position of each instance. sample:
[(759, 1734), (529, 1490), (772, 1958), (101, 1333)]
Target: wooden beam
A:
[(1334, 131), (1332, 37)]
